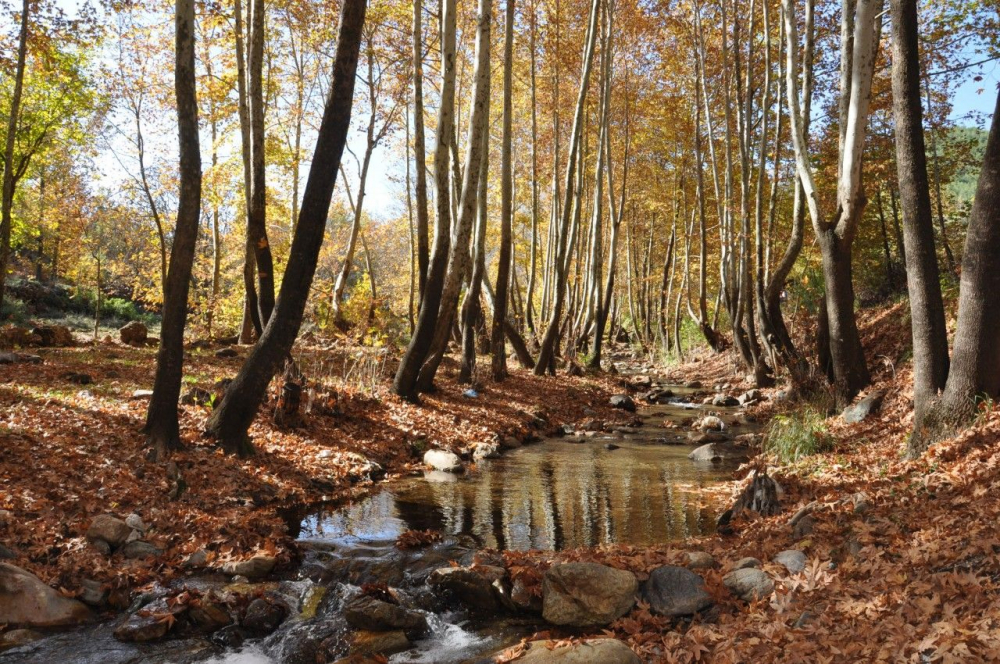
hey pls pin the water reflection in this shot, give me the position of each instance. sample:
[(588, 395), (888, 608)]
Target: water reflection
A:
[(556, 495)]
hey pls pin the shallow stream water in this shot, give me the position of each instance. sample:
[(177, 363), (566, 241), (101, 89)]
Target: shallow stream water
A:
[(633, 485)]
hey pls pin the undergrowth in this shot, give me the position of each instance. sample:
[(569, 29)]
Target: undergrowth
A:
[(800, 434)]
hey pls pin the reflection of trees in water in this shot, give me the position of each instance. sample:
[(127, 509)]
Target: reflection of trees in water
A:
[(561, 495)]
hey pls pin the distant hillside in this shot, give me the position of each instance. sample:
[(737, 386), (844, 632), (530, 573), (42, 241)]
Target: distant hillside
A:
[(965, 147)]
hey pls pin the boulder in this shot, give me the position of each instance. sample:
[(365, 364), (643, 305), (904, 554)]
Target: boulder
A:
[(133, 334), (472, 586), (709, 423), (443, 460), (150, 623), (139, 549), (793, 560), (252, 568), (27, 602), (53, 335), (381, 643), (749, 397), (226, 353), (693, 384), (699, 560), (112, 530), (19, 358), (510, 443), (641, 382), (263, 616), (372, 614), (482, 451), (804, 527), (749, 584), (724, 401), (93, 593), (209, 614), (746, 563), (16, 638), (862, 409), (624, 402), (586, 594), (718, 452), (591, 651), (675, 591), (703, 438)]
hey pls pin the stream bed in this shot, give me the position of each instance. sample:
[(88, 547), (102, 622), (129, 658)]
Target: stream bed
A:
[(632, 485)]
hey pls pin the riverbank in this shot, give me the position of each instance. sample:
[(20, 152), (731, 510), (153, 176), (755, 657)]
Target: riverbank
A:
[(899, 560), (72, 450)]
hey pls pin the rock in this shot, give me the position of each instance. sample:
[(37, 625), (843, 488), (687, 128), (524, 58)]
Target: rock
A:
[(586, 594), (93, 593), (611, 447), (703, 438), (443, 460), (253, 568), (150, 623), (53, 335), (196, 559), (749, 397), (524, 599), (230, 637), (574, 369), (724, 401), (699, 560), (709, 423), (112, 530), (693, 385), (624, 402), (142, 394), (510, 443), (263, 616), (18, 637), (134, 521), (482, 451), (675, 591), (718, 452), (804, 527), (793, 560), (78, 378), (472, 586), (226, 353), (210, 613), (861, 502), (642, 382), (746, 563), (7, 553), (862, 409), (133, 334), (101, 546), (591, 651), (372, 614), (27, 602), (381, 643), (139, 549), (749, 584), (19, 358)]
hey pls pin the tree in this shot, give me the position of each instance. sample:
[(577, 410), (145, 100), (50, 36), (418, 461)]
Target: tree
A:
[(498, 339), (404, 383), (7, 193), (930, 337), (860, 26), (423, 250), (162, 431), (975, 362), (231, 420)]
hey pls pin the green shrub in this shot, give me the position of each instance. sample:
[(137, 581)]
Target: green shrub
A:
[(14, 311), (801, 434)]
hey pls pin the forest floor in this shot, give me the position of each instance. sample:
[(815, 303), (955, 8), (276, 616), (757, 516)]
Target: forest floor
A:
[(902, 560), (69, 452)]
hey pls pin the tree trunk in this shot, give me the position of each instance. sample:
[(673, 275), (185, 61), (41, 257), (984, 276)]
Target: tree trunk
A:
[(162, 430), (546, 354), (975, 363), (231, 420), (930, 335), (529, 309), (459, 257), (423, 250), (498, 340), (257, 216), (471, 308), (405, 381)]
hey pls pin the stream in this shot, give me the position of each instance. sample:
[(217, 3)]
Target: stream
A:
[(632, 485)]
